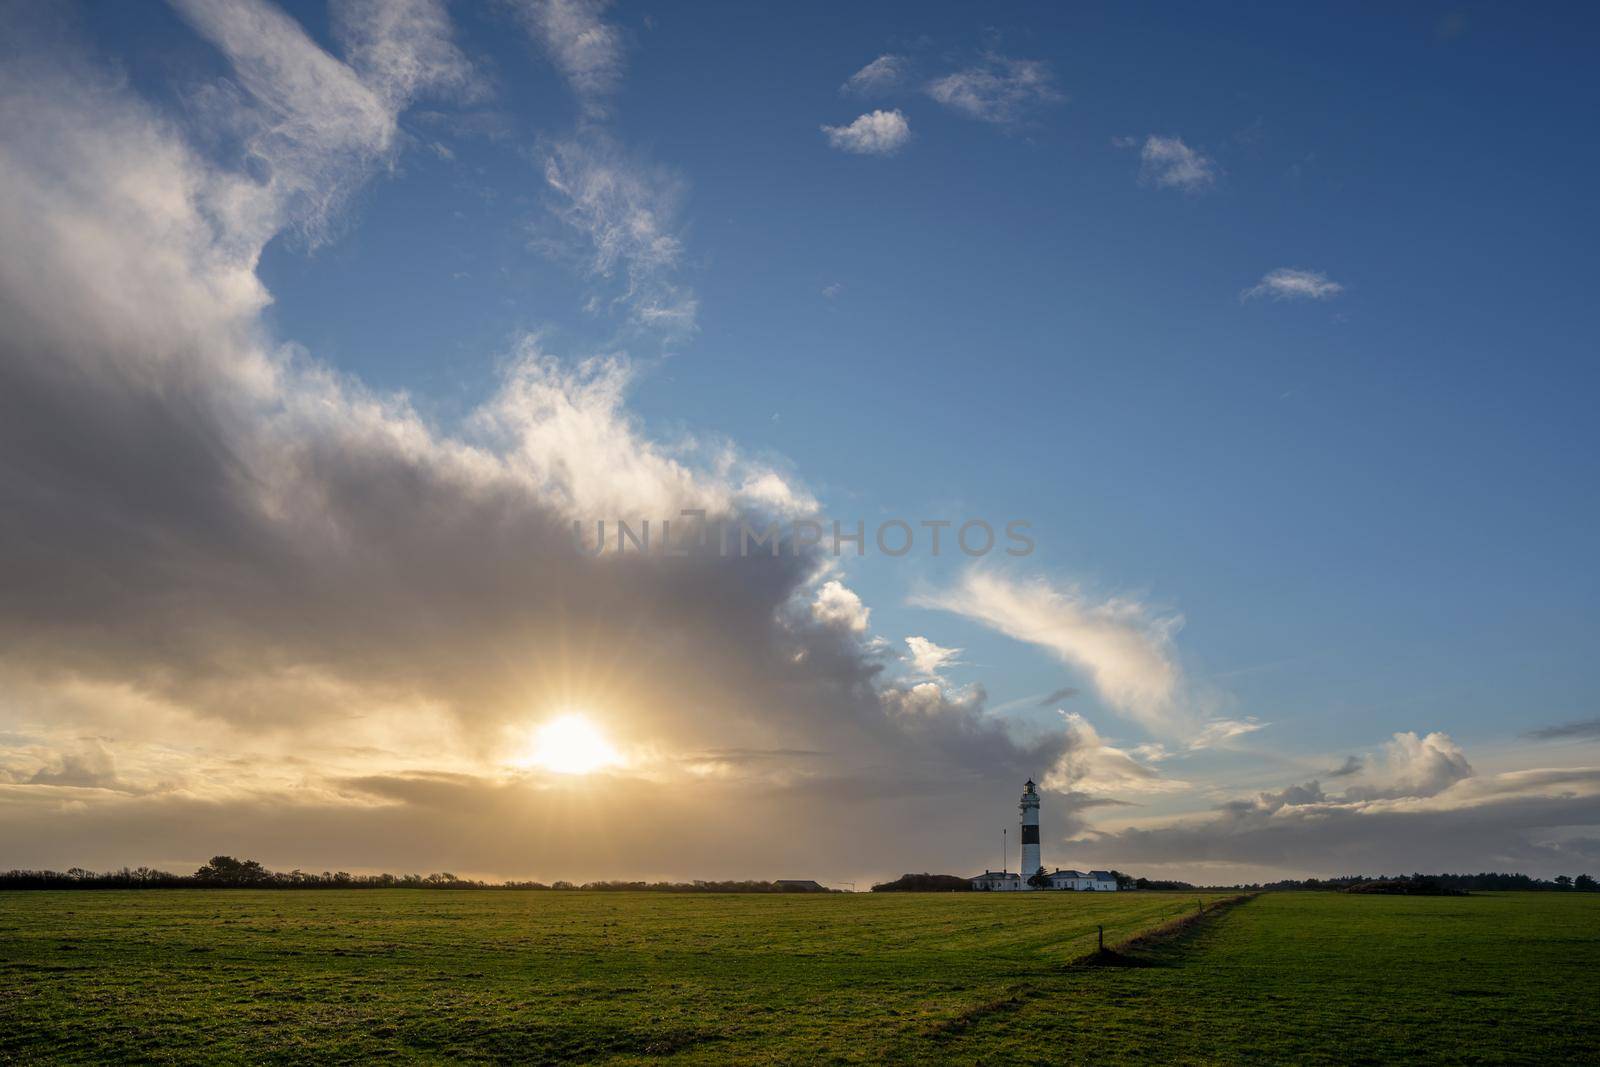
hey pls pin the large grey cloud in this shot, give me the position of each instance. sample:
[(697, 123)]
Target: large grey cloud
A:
[(207, 533)]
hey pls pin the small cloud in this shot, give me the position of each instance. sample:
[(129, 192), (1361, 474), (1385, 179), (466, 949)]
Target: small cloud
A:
[(1151, 752), (877, 133), (1168, 163), (929, 659), (1064, 693), (832, 290), (998, 90), (837, 605), (1293, 283), (883, 74), (1415, 766), (1351, 765), (1218, 732), (1583, 730)]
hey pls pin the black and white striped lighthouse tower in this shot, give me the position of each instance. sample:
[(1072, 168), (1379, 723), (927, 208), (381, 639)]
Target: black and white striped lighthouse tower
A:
[(1030, 833)]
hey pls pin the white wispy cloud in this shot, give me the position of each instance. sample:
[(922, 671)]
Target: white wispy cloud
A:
[(928, 659), (565, 431), (884, 74), (627, 213), (317, 127), (584, 47), (1089, 764), (999, 89), (1216, 733), (1293, 283), (404, 47), (877, 133), (1168, 163), (1124, 646)]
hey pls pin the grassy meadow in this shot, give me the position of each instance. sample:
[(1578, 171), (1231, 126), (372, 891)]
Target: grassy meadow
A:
[(559, 976)]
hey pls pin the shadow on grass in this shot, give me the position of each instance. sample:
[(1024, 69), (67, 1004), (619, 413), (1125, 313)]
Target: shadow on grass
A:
[(947, 1028), (1161, 946), (1109, 957)]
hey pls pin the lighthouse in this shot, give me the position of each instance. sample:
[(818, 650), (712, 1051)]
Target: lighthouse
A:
[(1030, 832)]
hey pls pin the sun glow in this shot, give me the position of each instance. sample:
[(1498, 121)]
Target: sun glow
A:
[(570, 744)]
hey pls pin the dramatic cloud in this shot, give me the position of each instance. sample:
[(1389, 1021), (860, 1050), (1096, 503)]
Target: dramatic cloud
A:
[(1168, 163), (254, 605), (1123, 646), (928, 659), (250, 601), (884, 74), (877, 133), (998, 90), (585, 48), (1292, 283), (627, 215)]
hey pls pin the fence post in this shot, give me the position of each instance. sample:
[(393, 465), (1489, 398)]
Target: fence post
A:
[(1102, 930)]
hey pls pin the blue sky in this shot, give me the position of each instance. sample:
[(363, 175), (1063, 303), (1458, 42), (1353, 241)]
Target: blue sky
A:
[(1273, 321), (1329, 491)]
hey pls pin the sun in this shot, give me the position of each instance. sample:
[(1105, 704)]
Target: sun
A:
[(570, 744)]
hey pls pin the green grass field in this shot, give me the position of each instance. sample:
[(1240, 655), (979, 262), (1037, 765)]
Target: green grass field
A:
[(541, 976)]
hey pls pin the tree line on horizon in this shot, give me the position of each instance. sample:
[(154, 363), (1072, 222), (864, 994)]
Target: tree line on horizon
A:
[(1445, 883), (226, 872), (1486, 881)]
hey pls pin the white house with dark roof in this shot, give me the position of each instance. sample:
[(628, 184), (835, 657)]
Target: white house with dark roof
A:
[(1093, 881), (989, 881)]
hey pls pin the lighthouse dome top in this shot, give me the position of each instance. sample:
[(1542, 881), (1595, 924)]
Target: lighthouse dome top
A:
[(1028, 786)]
